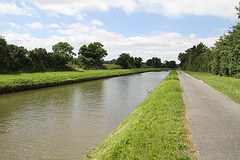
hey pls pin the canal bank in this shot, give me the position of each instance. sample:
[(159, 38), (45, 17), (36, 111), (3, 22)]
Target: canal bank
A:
[(29, 81), (156, 129)]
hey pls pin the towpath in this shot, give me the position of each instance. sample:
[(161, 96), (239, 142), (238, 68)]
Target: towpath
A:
[(214, 120)]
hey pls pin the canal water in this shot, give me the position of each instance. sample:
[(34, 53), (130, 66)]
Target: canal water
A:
[(63, 122)]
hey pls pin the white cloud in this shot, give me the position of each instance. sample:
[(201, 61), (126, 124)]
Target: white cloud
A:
[(53, 25), (173, 8), (178, 8), (36, 25), (14, 25), (97, 22), (11, 8)]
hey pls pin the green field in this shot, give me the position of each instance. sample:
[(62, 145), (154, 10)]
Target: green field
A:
[(23, 79), (156, 129), (227, 85)]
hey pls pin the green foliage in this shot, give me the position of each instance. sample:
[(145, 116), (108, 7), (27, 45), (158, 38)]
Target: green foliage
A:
[(63, 48), (5, 57), (92, 54), (127, 61), (222, 59), (238, 10), (19, 59), (137, 62), (154, 130), (154, 62), (170, 64), (123, 60), (192, 58), (64, 52)]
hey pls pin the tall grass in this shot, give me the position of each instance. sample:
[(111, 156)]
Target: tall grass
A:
[(156, 129), (229, 86)]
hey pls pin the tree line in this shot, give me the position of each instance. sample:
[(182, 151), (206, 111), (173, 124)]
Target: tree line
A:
[(18, 59), (221, 59)]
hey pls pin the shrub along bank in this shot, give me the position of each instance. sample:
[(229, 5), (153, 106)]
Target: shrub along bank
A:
[(26, 81), (156, 129), (229, 86)]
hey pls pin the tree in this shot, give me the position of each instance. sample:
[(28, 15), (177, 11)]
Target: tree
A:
[(190, 60), (63, 48), (64, 52), (170, 64), (123, 60), (39, 57), (137, 62), (238, 10), (95, 51), (154, 62), (19, 59), (5, 57)]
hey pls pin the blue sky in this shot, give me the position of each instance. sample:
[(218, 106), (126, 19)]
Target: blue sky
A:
[(143, 28)]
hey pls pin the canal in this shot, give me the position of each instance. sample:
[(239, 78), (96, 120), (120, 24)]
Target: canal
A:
[(63, 122)]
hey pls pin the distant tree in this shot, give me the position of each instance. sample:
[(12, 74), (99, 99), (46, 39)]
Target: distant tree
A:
[(190, 60), (64, 50), (19, 58), (5, 57), (138, 62), (149, 62), (124, 60), (93, 51), (86, 63), (113, 61), (154, 62), (39, 58), (170, 64)]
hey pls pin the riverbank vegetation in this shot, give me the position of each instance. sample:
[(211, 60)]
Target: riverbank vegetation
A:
[(156, 129), (25, 81), (229, 86), (15, 59), (221, 59)]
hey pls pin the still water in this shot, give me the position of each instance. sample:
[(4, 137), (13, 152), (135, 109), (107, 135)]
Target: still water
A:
[(63, 122)]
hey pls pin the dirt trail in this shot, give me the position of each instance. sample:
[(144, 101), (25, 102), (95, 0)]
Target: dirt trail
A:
[(214, 120)]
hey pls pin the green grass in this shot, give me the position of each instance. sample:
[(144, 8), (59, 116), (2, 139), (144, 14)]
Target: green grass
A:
[(227, 85), (10, 80), (156, 129), (112, 66)]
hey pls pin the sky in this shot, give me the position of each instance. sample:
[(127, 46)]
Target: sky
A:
[(142, 28)]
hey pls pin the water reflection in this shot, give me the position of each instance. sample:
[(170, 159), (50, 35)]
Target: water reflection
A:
[(62, 122)]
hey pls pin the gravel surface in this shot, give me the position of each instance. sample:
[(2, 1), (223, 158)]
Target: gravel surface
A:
[(214, 120)]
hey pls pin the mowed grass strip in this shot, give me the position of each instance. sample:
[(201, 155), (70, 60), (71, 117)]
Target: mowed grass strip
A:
[(28, 79), (229, 86), (156, 129)]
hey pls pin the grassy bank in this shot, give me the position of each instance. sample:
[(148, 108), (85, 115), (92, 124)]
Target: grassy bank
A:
[(156, 129), (227, 85), (25, 81)]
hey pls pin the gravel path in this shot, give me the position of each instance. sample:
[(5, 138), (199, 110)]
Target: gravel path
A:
[(214, 120)]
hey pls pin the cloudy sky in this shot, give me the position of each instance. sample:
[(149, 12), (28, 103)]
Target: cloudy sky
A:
[(143, 28)]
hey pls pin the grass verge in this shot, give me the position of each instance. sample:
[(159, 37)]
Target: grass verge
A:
[(156, 129), (227, 85), (26, 81)]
